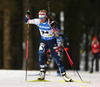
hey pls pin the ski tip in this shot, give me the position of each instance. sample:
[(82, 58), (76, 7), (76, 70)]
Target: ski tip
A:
[(83, 82)]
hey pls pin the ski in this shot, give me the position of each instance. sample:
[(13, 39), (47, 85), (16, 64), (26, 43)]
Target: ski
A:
[(58, 81), (39, 80), (75, 81)]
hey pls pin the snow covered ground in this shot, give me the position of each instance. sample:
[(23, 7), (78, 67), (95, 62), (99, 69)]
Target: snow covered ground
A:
[(16, 78)]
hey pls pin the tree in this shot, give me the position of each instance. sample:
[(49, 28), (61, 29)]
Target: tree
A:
[(7, 41), (1, 35)]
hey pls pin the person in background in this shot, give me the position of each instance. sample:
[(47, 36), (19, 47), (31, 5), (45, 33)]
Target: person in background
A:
[(95, 51), (95, 47)]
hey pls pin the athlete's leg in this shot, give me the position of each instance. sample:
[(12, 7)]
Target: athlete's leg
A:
[(49, 58), (92, 63), (60, 52), (56, 56), (42, 52)]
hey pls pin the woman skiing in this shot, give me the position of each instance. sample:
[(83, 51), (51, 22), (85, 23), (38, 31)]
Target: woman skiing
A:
[(48, 41)]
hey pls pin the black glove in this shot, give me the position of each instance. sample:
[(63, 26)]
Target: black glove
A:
[(52, 23), (28, 12)]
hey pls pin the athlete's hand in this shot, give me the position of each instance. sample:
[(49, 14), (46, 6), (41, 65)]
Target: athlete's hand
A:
[(52, 24)]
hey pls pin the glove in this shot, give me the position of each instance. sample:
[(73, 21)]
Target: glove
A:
[(28, 12), (52, 24)]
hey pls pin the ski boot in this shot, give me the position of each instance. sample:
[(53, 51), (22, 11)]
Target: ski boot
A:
[(46, 67), (42, 74), (58, 72), (67, 79)]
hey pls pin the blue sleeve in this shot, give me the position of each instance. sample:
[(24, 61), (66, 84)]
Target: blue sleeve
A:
[(25, 20)]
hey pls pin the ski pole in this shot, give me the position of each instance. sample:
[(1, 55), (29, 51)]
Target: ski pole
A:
[(27, 48), (48, 6), (70, 61)]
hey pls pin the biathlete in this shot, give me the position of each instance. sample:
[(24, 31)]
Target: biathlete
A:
[(48, 41)]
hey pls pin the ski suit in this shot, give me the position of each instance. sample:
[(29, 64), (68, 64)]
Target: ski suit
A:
[(95, 52)]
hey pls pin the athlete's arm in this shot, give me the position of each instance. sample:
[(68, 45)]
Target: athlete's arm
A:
[(35, 21)]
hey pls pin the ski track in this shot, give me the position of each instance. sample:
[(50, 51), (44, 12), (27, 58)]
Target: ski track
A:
[(16, 78)]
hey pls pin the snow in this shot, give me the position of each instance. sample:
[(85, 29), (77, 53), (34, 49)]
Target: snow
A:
[(16, 78)]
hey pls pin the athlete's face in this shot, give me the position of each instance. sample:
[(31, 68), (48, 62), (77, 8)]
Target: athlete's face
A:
[(43, 20)]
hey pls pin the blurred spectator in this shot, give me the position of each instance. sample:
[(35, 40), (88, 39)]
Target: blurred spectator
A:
[(95, 47)]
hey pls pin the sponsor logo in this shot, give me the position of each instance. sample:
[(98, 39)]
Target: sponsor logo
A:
[(50, 35), (44, 27)]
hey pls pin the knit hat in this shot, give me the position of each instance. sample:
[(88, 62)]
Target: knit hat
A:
[(94, 38)]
